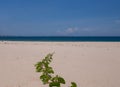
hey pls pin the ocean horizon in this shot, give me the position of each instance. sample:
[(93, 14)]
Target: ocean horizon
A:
[(62, 38)]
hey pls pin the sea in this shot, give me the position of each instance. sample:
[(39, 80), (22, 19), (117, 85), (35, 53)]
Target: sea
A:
[(62, 38)]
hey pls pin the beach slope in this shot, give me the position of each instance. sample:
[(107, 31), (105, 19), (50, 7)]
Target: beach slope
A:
[(89, 64)]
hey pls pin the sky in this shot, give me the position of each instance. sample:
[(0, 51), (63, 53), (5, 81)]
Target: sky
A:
[(59, 17)]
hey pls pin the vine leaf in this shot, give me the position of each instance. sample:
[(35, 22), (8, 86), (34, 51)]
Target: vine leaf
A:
[(54, 84), (61, 80), (73, 84)]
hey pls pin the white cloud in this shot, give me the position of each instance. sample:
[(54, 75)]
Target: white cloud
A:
[(71, 30), (117, 21), (68, 31), (86, 29), (76, 31), (89, 29)]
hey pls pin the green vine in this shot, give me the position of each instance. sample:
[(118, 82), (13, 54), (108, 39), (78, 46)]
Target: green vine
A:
[(47, 73)]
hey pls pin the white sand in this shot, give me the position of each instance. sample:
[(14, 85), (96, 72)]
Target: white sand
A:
[(90, 64)]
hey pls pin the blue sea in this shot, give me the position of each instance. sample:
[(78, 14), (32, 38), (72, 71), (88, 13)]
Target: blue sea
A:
[(61, 39)]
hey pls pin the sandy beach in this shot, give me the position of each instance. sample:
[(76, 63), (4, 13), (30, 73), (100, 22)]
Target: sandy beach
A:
[(89, 64)]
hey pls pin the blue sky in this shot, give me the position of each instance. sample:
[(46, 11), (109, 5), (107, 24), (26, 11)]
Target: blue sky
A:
[(60, 17)]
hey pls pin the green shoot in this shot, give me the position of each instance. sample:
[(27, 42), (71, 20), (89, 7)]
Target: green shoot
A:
[(47, 73)]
